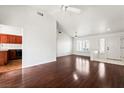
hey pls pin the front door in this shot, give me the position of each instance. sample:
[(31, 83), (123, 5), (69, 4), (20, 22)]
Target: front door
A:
[(113, 48)]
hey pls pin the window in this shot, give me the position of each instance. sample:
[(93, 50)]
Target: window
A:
[(102, 45), (87, 45), (79, 45), (83, 45)]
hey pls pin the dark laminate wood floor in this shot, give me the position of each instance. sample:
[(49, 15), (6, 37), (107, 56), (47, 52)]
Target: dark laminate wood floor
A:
[(70, 71), (12, 65)]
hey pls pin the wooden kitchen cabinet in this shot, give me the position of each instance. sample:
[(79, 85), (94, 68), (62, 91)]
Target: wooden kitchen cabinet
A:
[(10, 39), (20, 40), (11, 54), (3, 39), (14, 54), (3, 57)]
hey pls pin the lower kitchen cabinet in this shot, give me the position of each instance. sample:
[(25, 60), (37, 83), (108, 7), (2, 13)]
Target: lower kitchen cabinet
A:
[(3, 57)]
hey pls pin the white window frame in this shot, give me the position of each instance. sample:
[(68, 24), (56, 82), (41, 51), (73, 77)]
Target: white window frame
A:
[(83, 45), (102, 45)]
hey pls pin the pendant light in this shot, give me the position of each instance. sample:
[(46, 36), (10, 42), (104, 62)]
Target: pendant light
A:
[(75, 34)]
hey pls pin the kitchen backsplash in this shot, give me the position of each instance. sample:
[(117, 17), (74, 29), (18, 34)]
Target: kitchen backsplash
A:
[(10, 46)]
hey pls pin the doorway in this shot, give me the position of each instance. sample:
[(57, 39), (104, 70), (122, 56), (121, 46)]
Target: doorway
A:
[(10, 48), (109, 48), (113, 48), (102, 48)]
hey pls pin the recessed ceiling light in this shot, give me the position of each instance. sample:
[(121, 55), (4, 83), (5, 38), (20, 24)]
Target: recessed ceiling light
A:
[(108, 29)]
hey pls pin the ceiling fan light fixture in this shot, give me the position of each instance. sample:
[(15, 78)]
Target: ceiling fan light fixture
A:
[(74, 10), (76, 35), (64, 8), (68, 8)]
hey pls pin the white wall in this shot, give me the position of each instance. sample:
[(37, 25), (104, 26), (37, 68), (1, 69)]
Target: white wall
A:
[(39, 43), (122, 47), (39, 33), (64, 44), (12, 30)]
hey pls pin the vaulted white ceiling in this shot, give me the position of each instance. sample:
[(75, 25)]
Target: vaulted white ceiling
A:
[(91, 20)]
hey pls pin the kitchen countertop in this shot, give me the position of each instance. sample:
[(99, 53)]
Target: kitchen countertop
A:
[(3, 50), (9, 49)]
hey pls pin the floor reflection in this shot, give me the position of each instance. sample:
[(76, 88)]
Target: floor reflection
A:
[(75, 76), (81, 73), (82, 66), (11, 79), (101, 70)]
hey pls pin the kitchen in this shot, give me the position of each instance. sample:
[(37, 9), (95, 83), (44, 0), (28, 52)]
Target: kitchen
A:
[(10, 48)]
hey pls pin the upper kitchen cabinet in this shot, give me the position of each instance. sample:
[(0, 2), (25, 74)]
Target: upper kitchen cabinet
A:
[(3, 38), (18, 39), (10, 39)]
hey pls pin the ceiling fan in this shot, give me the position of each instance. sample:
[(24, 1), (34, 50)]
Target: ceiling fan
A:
[(76, 36), (67, 8)]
